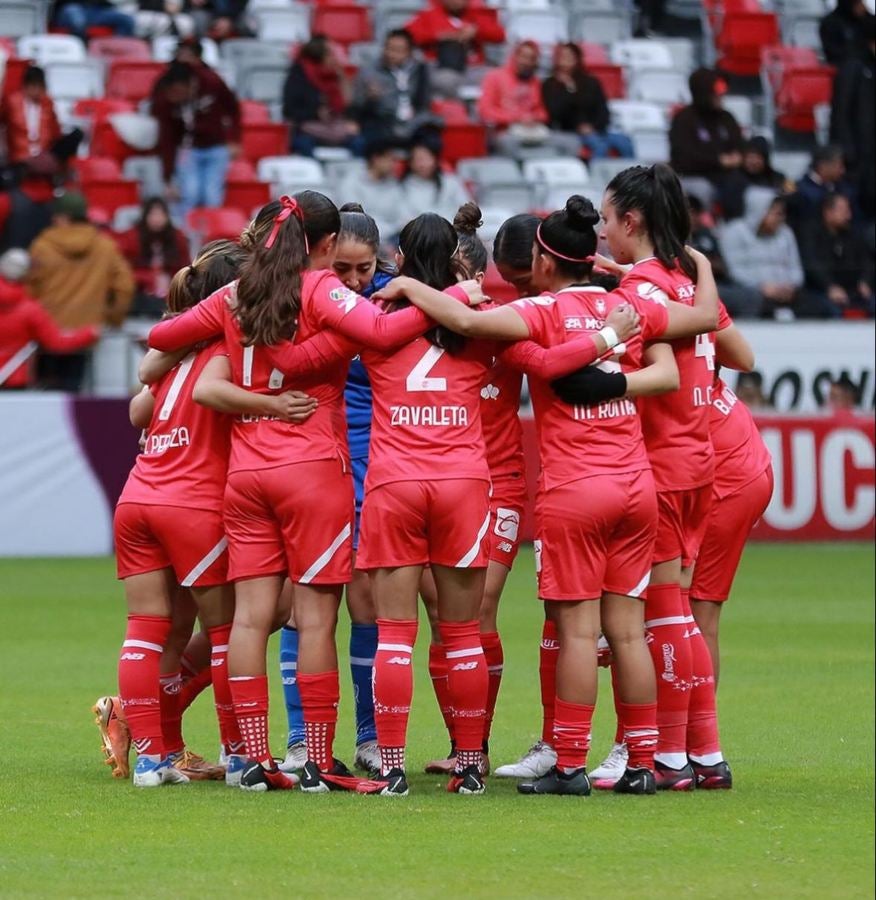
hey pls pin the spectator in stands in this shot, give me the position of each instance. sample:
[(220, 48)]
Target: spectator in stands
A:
[(650, 17), (315, 99), (742, 302), (426, 187), (80, 15), (25, 325), (378, 190), (757, 166), (81, 278), (843, 398), (826, 176), (749, 389), (511, 104), (391, 98), (852, 122), (836, 259), (761, 252), (155, 18), (705, 139), (34, 142), (843, 31), (576, 103), (156, 251), (452, 33), (198, 132)]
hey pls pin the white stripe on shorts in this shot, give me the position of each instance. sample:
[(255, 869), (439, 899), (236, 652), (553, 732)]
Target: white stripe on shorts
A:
[(639, 589), (205, 563), (144, 645), (467, 559), (325, 558), (669, 620), (457, 654)]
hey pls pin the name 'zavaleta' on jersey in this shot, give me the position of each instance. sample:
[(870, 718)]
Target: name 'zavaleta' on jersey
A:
[(676, 424), (185, 460), (580, 441), (427, 422)]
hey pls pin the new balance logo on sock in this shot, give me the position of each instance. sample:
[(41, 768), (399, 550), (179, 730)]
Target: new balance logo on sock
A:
[(133, 657), (465, 667), (399, 661)]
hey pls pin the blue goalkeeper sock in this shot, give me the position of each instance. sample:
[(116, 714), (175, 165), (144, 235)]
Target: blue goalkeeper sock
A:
[(363, 647), (289, 674)]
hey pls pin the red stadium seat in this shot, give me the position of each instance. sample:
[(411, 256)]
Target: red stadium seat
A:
[(594, 54), (100, 107), (741, 40), (240, 169), (128, 48), (213, 224), (463, 140), (264, 139), (801, 90), (254, 111), (453, 112), (346, 24), (111, 193), (246, 194), (611, 78), (90, 168), (133, 80), (105, 142), (775, 60)]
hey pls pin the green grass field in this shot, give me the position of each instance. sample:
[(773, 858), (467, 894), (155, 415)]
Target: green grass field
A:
[(797, 719)]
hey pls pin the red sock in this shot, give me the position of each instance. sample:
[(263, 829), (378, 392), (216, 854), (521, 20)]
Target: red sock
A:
[(171, 714), (139, 662), (495, 657), (191, 687), (250, 695), (438, 674), (703, 741), (393, 688), (666, 628), (571, 738), (467, 681), (639, 722), (547, 673), (229, 730), (320, 693)]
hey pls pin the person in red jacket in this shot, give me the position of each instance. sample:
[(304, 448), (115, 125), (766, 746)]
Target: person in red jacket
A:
[(511, 103), (452, 33), (25, 325)]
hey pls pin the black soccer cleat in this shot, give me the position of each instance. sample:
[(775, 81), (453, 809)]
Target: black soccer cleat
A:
[(338, 778), (573, 784), (669, 779), (393, 784), (256, 777), (467, 781), (636, 781), (713, 778)]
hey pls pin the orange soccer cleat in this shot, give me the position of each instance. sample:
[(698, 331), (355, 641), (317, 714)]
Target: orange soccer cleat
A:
[(114, 735)]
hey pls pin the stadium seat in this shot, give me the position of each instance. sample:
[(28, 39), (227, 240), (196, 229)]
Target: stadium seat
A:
[(290, 170), (642, 53), (147, 172), (164, 49), (551, 178), (74, 80), (463, 139), (260, 139), (215, 224), (652, 144), (132, 80), (290, 24), (21, 19), (126, 217), (549, 26), (111, 193), (594, 54), (246, 194), (629, 115), (91, 168), (101, 107), (742, 37), (451, 111), (48, 48), (742, 109), (802, 31), (662, 86), (496, 181), (336, 170), (254, 111), (493, 217), (248, 52), (603, 170), (263, 83), (347, 24), (800, 91), (601, 28), (611, 78), (794, 163), (113, 47)]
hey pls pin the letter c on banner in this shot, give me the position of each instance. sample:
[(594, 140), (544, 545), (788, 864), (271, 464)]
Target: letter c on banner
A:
[(837, 512)]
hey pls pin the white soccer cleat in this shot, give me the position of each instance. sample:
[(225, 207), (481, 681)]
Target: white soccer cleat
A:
[(149, 773), (610, 770), (296, 757), (368, 757), (537, 761)]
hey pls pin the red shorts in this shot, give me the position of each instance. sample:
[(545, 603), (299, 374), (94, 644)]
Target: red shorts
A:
[(682, 523), (596, 536), (729, 525), (411, 523), (190, 541), (507, 502), (295, 519)]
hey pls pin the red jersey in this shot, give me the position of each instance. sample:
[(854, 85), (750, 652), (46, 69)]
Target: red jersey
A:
[(318, 366), (503, 433), (579, 441), (676, 424), (185, 461), (740, 453)]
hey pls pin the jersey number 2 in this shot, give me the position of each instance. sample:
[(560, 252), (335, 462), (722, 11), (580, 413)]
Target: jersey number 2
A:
[(419, 379)]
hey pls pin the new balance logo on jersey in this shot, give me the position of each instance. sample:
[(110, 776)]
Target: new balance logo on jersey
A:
[(133, 657), (505, 547), (507, 523), (158, 443), (432, 416), (399, 661), (465, 666), (490, 392)]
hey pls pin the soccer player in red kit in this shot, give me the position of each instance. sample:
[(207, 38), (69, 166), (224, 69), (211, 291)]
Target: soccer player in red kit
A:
[(646, 221), (595, 545), (289, 501)]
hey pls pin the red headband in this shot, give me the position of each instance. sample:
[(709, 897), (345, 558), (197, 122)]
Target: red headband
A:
[(572, 259), (290, 208)]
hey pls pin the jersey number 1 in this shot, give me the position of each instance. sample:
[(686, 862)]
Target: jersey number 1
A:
[(419, 379)]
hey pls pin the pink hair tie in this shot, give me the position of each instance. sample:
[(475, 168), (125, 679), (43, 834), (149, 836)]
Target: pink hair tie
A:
[(572, 259), (290, 207)]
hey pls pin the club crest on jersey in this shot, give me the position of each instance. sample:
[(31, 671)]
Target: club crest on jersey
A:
[(489, 392), (600, 306), (343, 296), (649, 291)]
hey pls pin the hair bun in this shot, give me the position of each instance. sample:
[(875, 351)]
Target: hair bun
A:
[(352, 208), (468, 218), (581, 213)]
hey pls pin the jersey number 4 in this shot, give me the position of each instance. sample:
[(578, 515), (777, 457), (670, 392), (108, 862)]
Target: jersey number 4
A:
[(706, 349), (419, 380)]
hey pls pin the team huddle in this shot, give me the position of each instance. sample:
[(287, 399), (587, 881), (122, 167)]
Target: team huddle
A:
[(320, 423)]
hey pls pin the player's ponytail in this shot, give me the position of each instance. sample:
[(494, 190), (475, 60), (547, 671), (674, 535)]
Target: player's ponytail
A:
[(512, 246), (473, 257), (568, 235), (216, 265), (656, 193)]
